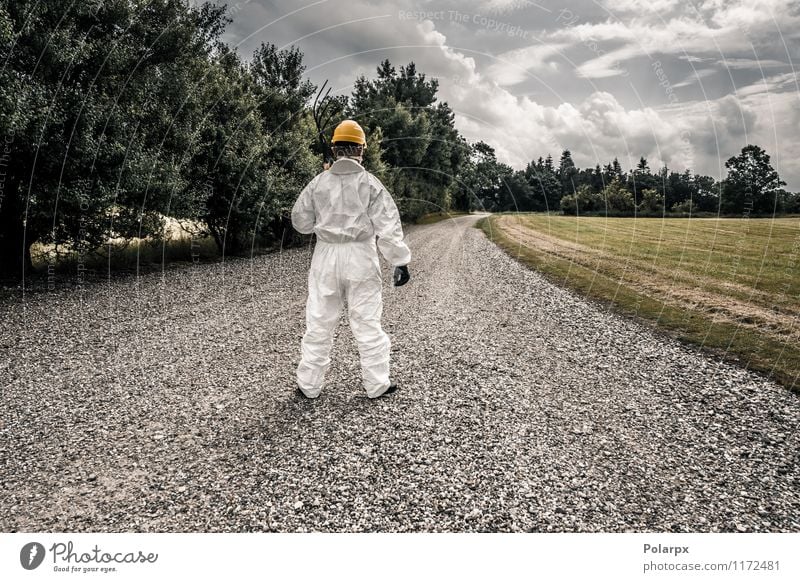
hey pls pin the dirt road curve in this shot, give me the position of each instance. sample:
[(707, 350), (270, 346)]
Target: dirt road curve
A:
[(166, 404)]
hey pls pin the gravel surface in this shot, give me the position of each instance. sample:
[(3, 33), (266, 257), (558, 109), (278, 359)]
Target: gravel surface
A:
[(166, 403)]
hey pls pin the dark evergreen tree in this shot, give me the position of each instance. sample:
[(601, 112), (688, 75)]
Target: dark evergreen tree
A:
[(421, 147), (642, 179), (567, 173)]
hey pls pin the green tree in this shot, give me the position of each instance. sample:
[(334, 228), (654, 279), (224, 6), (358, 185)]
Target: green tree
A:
[(545, 185), (567, 173), (705, 190), (515, 192), (752, 183), (465, 194), (228, 165), (652, 202), (584, 200), (488, 180), (282, 95), (423, 152), (91, 95), (642, 179), (617, 198), (791, 203), (282, 92)]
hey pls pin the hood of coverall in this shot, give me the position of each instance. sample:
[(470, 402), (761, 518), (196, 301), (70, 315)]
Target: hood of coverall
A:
[(346, 166)]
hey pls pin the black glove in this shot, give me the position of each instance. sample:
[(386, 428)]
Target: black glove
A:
[(401, 276)]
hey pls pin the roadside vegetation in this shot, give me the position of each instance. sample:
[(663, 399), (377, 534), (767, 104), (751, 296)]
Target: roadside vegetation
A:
[(727, 285)]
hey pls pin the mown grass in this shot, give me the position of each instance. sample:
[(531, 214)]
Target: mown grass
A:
[(728, 285)]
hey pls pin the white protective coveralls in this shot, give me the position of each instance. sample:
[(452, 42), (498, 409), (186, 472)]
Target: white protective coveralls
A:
[(347, 208)]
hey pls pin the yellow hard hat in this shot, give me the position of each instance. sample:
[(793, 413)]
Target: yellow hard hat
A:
[(349, 130)]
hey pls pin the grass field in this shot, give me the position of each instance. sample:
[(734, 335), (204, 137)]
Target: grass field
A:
[(729, 285)]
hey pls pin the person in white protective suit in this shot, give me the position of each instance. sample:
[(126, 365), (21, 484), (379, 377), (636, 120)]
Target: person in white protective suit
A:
[(348, 209)]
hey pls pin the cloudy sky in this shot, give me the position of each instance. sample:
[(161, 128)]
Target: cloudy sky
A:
[(682, 82)]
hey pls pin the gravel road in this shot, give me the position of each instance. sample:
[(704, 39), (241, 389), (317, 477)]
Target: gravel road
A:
[(166, 403)]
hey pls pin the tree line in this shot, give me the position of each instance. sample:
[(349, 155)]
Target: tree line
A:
[(117, 115), (752, 187)]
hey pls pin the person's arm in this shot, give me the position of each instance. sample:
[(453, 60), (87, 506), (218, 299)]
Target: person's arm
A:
[(303, 216), (386, 223)]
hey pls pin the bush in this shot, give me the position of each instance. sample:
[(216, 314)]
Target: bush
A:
[(789, 203), (686, 207), (583, 201), (569, 204), (652, 201), (617, 198)]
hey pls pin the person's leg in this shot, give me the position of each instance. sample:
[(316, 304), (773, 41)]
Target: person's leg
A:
[(323, 309), (365, 306)]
